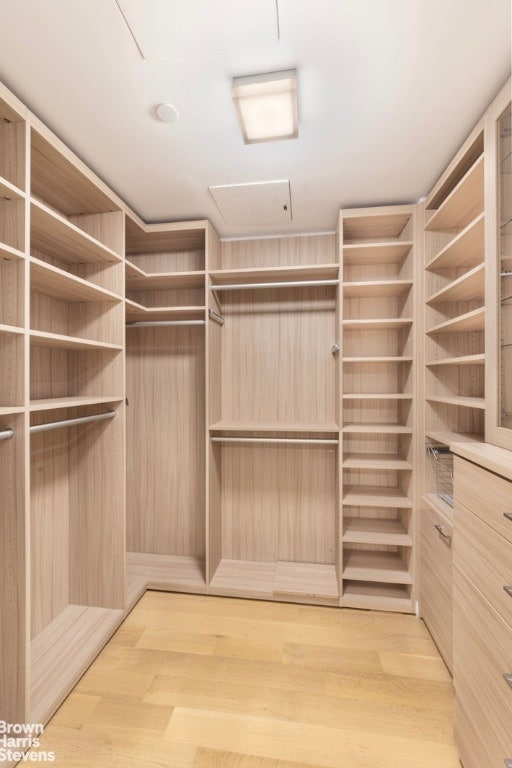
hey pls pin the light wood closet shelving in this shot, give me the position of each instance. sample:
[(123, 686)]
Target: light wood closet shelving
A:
[(454, 246), (378, 407), (273, 419), (165, 358)]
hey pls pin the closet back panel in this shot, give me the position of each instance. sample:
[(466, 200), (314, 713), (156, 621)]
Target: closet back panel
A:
[(278, 252), (166, 422), (277, 364), (278, 503)]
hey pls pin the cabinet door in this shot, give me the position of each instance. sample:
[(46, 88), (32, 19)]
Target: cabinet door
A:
[(498, 203)]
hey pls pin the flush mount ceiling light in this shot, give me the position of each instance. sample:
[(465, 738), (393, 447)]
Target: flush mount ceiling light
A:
[(266, 106), (166, 113)]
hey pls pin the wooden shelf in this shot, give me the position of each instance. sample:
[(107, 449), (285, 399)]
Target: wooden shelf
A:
[(176, 573), (54, 403), (469, 321), (446, 437), (375, 496), (7, 410), (376, 597), (376, 396), (10, 191), (62, 651), (386, 567), (465, 402), (375, 461), (325, 428), (312, 580), (10, 253), (242, 578), (468, 287), (58, 341), (393, 252), (464, 203), (397, 359), (11, 329), (138, 313), (376, 288), (467, 249), (366, 530), (438, 504), (372, 226), (132, 270), (394, 323), (56, 283), (53, 234), (377, 428), (462, 360), (162, 281), (275, 274)]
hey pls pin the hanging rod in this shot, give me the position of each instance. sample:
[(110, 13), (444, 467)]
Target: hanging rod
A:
[(292, 284), (6, 434), (71, 422), (505, 274), (214, 316), (161, 323), (289, 440)]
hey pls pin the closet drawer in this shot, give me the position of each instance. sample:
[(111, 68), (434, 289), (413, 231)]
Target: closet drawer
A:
[(436, 579), (485, 557), (487, 495), (482, 656)]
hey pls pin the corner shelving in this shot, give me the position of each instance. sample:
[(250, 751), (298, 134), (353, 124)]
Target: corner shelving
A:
[(455, 300), (377, 403)]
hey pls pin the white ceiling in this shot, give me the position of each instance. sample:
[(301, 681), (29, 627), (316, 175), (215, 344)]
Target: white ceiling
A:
[(388, 90)]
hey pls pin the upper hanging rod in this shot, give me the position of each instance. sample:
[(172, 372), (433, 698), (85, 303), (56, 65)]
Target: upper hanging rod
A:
[(148, 323), (71, 422), (287, 284), (6, 434), (290, 440)]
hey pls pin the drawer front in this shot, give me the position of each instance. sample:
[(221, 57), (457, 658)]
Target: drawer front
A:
[(436, 580), (485, 494), (485, 557), (482, 654), (472, 751)]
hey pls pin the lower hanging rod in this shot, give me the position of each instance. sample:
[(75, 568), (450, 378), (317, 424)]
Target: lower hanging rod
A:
[(6, 434), (286, 284), (288, 440), (71, 422), (162, 323)]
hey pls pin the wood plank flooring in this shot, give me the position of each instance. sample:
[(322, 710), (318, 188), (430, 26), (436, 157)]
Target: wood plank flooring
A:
[(204, 682)]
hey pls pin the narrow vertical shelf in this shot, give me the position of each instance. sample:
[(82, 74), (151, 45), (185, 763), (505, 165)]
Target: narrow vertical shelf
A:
[(378, 392)]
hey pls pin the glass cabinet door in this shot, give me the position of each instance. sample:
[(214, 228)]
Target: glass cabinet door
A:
[(504, 247)]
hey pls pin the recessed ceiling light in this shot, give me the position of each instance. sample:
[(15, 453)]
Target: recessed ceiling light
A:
[(266, 106), (167, 113)]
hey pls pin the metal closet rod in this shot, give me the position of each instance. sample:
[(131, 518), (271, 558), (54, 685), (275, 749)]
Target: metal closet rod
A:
[(289, 284), (289, 440), (6, 434), (71, 422), (161, 323)]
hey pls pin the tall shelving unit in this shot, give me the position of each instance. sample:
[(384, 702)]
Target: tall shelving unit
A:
[(75, 404), (165, 343), (455, 299), (378, 407), (273, 419), (13, 565)]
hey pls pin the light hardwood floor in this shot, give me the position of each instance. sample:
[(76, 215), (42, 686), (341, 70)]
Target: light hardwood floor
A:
[(226, 683)]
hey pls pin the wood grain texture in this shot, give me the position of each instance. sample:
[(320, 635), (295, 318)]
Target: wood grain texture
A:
[(436, 580), (165, 390), (196, 682)]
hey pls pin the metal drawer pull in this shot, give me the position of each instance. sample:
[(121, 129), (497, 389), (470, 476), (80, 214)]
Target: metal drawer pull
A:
[(446, 536), (508, 762), (508, 590), (508, 515), (508, 678)]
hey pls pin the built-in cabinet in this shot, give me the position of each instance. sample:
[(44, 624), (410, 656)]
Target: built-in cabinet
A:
[(278, 395)]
